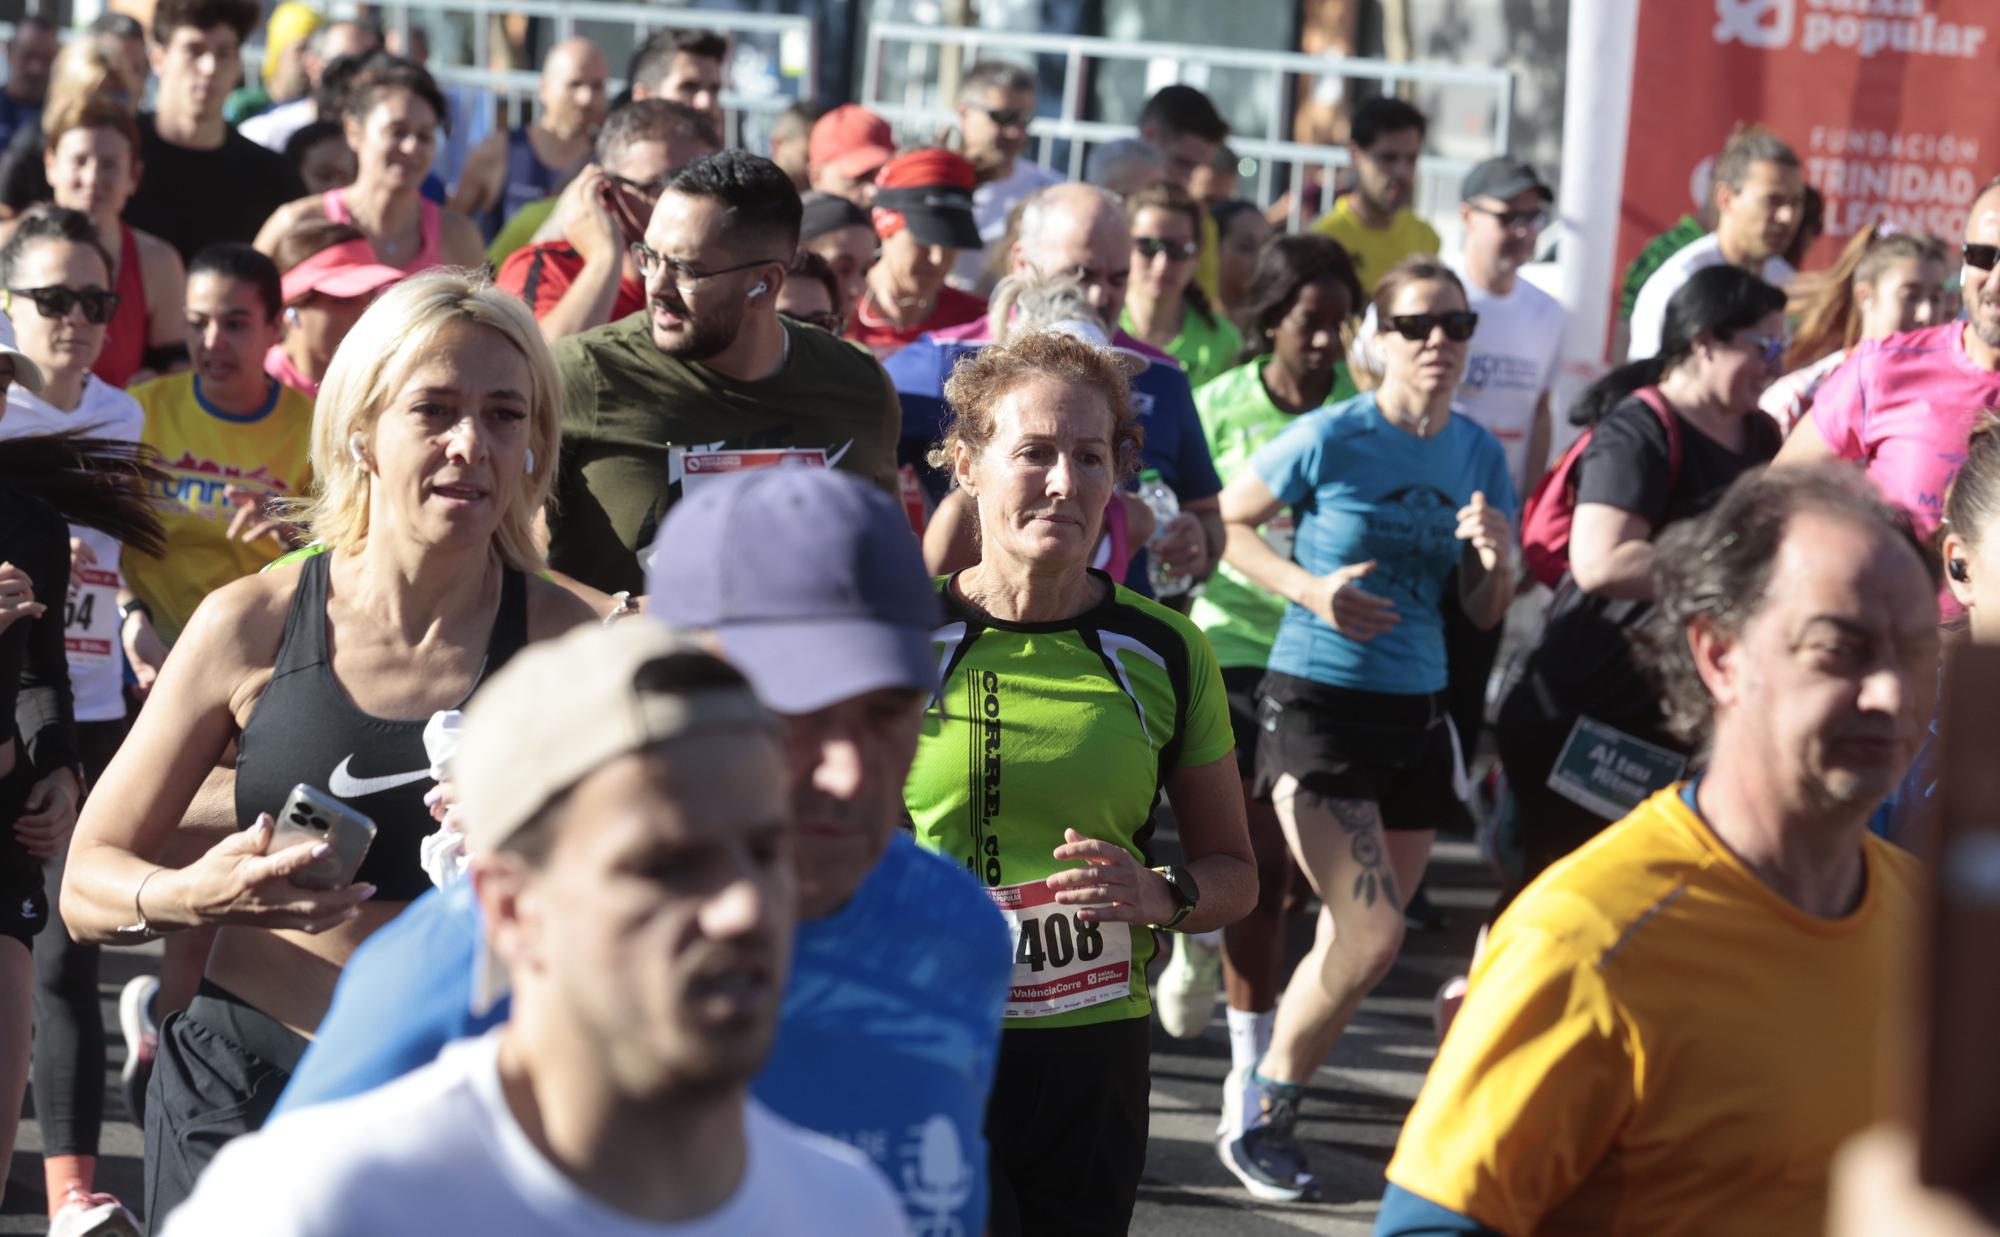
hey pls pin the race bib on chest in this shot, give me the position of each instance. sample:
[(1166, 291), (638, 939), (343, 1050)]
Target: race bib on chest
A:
[(90, 620), (1060, 963), (700, 467)]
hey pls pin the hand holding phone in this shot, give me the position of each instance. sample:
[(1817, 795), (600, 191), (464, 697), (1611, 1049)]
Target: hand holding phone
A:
[(315, 816)]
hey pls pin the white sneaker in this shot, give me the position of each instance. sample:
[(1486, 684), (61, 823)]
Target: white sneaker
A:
[(93, 1215), (1186, 991), (142, 1042)]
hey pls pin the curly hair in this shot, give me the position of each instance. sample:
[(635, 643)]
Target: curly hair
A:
[(1716, 568), (977, 386)]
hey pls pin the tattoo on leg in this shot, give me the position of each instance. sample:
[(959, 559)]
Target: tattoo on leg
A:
[(1361, 821)]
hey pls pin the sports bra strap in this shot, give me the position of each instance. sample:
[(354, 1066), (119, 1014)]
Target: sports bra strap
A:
[(304, 641)]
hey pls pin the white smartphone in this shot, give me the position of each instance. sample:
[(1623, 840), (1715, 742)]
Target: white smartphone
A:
[(312, 815)]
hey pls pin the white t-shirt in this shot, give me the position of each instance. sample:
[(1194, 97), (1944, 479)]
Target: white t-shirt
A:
[(1789, 398), (438, 1151), (992, 202), (1511, 360), (90, 626), (1649, 311), (273, 127)]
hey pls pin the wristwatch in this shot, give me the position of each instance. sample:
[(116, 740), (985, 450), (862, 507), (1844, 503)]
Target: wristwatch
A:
[(130, 608), (1186, 893)]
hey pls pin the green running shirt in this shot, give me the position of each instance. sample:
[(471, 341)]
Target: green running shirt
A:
[(1237, 417), (1039, 727)]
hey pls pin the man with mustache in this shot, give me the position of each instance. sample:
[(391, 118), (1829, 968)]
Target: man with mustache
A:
[(631, 852), (1673, 1029), (1903, 407), (709, 380), (1759, 197), (1373, 222)]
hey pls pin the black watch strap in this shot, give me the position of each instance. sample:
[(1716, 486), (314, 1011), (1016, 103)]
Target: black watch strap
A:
[(1186, 893)]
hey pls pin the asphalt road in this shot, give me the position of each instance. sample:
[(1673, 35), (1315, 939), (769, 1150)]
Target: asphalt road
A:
[(1352, 1113)]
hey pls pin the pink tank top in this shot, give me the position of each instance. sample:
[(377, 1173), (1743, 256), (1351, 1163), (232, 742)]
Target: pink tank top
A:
[(333, 203)]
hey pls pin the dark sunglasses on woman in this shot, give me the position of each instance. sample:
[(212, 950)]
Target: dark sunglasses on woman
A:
[(1150, 247), (56, 301), (1458, 325)]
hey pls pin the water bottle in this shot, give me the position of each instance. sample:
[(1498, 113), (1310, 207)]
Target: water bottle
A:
[(1161, 501)]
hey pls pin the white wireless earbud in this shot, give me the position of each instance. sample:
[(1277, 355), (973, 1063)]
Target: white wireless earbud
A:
[(757, 291), (531, 461), (354, 449), (291, 315)]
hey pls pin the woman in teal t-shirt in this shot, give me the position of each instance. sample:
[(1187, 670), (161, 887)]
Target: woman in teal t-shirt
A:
[(1164, 306), (1396, 497), (1303, 297)]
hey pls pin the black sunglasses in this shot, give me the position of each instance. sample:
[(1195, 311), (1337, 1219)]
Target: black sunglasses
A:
[(1150, 247), (644, 188), (1982, 257), (56, 301), (1009, 117), (1458, 325), (1529, 220)]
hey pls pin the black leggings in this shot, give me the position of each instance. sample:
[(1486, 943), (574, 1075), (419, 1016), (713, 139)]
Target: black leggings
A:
[(68, 1075)]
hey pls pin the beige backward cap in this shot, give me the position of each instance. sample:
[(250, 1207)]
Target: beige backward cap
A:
[(562, 708)]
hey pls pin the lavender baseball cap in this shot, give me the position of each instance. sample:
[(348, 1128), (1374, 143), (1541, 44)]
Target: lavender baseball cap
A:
[(810, 580)]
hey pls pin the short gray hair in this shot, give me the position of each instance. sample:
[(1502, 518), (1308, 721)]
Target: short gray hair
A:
[(998, 75), (1717, 567)]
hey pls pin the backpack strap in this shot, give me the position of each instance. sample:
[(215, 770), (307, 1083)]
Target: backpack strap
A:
[(1658, 403)]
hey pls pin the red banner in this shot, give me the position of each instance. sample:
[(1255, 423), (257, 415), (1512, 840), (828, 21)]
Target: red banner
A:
[(1889, 104)]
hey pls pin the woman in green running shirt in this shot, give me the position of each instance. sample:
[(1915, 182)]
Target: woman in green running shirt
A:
[(1164, 306), (1067, 703)]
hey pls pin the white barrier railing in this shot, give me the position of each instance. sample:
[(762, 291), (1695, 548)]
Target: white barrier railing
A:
[(907, 90)]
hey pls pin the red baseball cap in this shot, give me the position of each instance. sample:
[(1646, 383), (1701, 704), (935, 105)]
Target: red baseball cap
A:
[(850, 140)]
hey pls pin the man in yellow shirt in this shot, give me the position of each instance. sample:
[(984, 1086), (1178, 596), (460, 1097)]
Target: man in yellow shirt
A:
[(1673, 1030), (1374, 223)]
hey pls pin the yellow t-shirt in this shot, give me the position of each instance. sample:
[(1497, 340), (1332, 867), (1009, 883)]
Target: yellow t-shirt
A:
[(1375, 250), (203, 451), (1656, 1042)]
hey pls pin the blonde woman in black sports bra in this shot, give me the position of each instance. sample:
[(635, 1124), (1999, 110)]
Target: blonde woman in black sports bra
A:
[(434, 444)]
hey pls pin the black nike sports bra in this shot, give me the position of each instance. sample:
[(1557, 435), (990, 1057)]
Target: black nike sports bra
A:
[(304, 728)]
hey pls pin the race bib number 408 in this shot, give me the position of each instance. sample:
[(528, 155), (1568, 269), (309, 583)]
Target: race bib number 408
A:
[(1060, 962)]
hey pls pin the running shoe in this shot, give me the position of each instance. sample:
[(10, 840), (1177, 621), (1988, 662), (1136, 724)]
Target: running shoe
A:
[(1230, 1123), (142, 1042), (93, 1215), (1186, 991), (1267, 1158)]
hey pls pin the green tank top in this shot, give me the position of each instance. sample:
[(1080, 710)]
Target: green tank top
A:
[(1039, 727)]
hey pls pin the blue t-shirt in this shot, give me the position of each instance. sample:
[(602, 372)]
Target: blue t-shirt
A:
[(887, 1041), (1360, 488)]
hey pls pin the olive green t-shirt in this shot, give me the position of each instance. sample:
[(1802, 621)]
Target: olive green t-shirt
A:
[(640, 428)]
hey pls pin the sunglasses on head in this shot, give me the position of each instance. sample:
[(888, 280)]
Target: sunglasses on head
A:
[(1982, 257), (56, 301), (1153, 246), (1458, 325), (1009, 117)]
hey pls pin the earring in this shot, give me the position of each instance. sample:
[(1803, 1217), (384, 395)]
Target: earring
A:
[(354, 449), (531, 461)]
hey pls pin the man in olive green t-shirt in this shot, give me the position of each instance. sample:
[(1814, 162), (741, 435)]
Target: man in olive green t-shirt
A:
[(707, 379)]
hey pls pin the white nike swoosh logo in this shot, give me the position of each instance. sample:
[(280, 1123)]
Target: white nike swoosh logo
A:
[(342, 786)]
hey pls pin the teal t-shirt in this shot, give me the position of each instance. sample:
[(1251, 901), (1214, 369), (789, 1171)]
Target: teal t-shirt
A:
[(1237, 417), (1041, 727), (1361, 488)]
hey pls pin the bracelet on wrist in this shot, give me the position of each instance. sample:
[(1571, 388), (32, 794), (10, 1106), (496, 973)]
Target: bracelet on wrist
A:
[(143, 927)]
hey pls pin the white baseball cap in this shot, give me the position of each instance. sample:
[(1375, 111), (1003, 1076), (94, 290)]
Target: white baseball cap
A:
[(26, 372)]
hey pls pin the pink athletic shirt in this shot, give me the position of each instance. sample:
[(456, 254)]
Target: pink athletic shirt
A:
[(1903, 407)]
